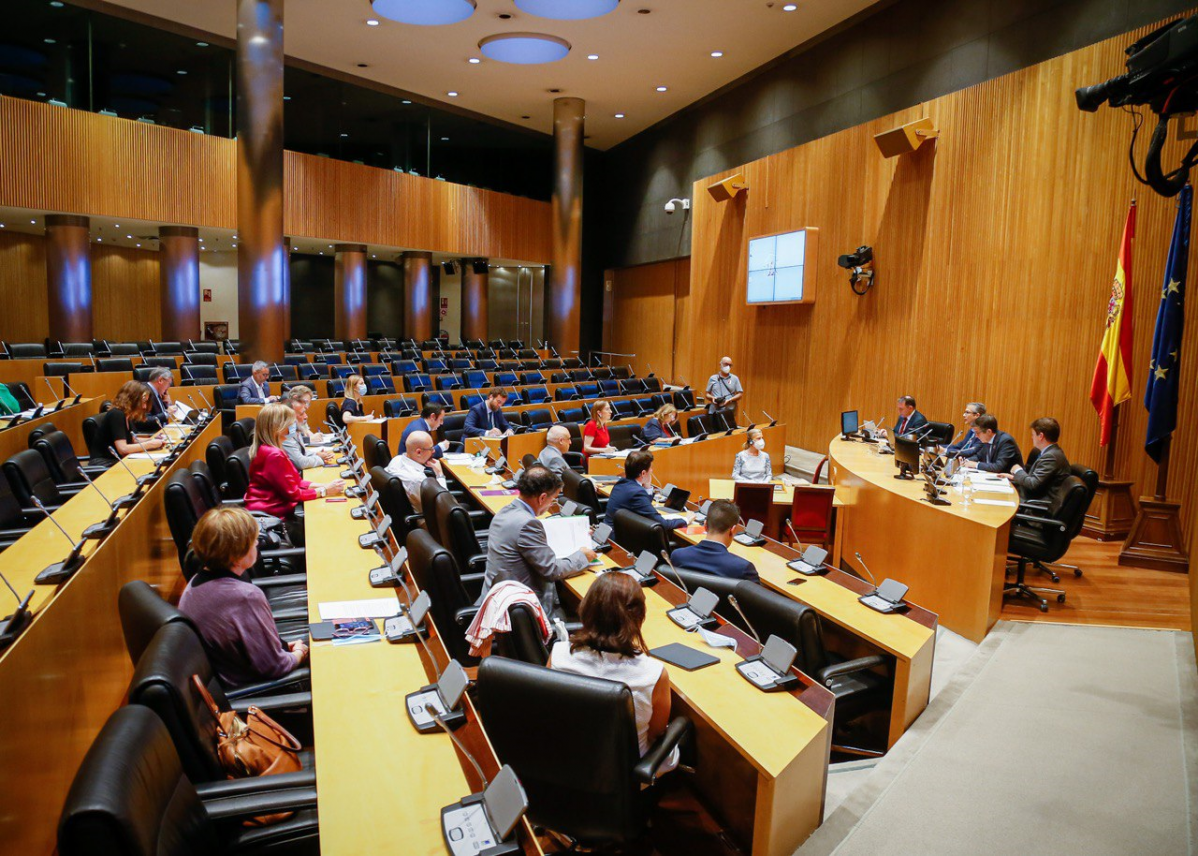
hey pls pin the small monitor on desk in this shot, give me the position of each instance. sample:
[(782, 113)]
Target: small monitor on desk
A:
[(906, 457), (848, 422)]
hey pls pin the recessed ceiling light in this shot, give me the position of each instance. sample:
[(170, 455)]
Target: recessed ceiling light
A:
[(445, 139), (619, 115), (130, 237), (201, 44), (180, 71), (345, 135), (717, 54), (49, 41), (117, 226), (57, 4), (98, 240), (474, 60), (139, 245), (661, 89), (372, 22), (592, 56), (425, 13), (405, 101), (452, 94), (33, 222), (567, 10), (41, 95), (524, 48), (790, 7)]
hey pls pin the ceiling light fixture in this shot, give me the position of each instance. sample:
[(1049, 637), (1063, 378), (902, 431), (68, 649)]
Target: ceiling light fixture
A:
[(592, 56), (372, 22), (201, 44), (425, 13), (452, 94), (180, 71), (717, 54), (524, 48), (567, 10), (49, 41), (474, 60), (661, 89), (619, 115), (405, 101), (790, 7)]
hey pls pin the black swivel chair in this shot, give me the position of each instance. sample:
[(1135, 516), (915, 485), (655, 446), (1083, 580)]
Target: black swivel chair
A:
[(131, 797), (395, 502), (13, 521), (30, 477), (237, 473), (940, 433), (696, 425), (65, 468), (524, 641), (216, 455), (1090, 479), (375, 451), (241, 432), (435, 571), (612, 802), (39, 432), (114, 364), (636, 533), (581, 489), (469, 548), (1041, 536)]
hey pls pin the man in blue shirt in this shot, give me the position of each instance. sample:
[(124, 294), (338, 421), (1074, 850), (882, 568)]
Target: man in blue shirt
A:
[(711, 555), (633, 492), (967, 446), (486, 418), (429, 421)]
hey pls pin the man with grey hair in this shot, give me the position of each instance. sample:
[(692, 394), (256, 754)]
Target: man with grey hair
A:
[(296, 442), (254, 389), (158, 412), (557, 443), (969, 445)]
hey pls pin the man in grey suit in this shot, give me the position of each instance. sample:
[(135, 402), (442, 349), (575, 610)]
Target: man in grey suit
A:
[(996, 451), (254, 389), (1046, 478), (557, 443), (518, 548)]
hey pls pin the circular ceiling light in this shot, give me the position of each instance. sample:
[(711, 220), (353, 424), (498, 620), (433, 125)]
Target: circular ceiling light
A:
[(567, 10), (524, 48), (425, 13)]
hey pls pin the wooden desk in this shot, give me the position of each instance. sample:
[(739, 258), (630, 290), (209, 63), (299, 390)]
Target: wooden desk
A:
[(69, 670), (69, 420), (953, 558), (764, 756), (382, 784), (692, 466)]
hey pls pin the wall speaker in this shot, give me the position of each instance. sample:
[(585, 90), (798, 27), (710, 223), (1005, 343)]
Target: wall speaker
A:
[(906, 138), (724, 190), (480, 266), (450, 267)]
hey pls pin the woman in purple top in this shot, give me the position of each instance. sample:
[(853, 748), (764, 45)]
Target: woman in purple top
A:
[(232, 614)]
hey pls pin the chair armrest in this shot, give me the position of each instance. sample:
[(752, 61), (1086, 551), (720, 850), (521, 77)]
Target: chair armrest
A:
[(413, 520), (282, 553), (827, 674), (239, 503), (465, 615), (478, 514), (282, 701), (35, 512), (301, 674), (297, 613), (473, 583), (260, 803), (476, 564), (280, 580), (224, 788), (646, 771), (1040, 521), (573, 459), (14, 533), (1034, 504)]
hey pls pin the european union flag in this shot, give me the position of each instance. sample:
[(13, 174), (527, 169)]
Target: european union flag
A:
[(1160, 398)]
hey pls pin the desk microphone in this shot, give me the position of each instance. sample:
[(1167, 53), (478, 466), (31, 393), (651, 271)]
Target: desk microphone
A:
[(428, 708), (204, 398), (735, 605), (53, 392), (795, 535), (93, 361), (141, 481), (665, 554), (866, 569), (748, 419), (772, 420), (99, 530), (59, 571), (12, 625), (203, 414)]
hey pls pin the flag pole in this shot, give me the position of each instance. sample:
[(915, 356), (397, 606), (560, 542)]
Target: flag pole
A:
[(1108, 464), (1162, 470)]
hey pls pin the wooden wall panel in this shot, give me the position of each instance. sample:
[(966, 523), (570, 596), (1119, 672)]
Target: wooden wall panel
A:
[(995, 250), (126, 304), (642, 303), (24, 312)]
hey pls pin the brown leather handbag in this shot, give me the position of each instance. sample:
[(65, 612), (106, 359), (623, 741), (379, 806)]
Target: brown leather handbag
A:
[(257, 746)]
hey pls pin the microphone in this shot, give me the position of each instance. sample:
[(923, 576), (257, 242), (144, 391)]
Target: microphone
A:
[(60, 571), (12, 625), (93, 360), (748, 419), (458, 743), (99, 530), (866, 569), (61, 401), (665, 554), (795, 535), (141, 480), (735, 605), (204, 399), (772, 420), (955, 439)]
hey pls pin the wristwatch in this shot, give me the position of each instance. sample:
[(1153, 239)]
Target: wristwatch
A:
[(320, 492)]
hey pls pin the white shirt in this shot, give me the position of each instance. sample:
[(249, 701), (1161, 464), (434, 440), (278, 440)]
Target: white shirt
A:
[(412, 475)]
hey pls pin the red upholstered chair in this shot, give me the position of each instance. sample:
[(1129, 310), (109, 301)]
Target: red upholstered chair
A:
[(819, 468), (811, 514), (754, 501)]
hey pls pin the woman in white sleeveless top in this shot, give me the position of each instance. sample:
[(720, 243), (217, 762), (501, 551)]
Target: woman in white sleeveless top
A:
[(610, 646)]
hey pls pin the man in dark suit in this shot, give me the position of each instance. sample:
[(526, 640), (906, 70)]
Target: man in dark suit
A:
[(429, 421), (711, 555), (254, 389), (907, 419), (157, 414), (486, 418), (632, 492), (1046, 478), (996, 452)]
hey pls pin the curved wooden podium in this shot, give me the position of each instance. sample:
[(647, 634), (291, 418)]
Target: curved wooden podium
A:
[(953, 558)]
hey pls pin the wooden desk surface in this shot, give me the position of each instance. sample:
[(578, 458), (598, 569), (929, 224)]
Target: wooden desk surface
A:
[(69, 420), (725, 488)]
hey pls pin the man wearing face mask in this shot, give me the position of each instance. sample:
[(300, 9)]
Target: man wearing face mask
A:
[(753, 464), (634, 492), (723, 391), (415, 465)]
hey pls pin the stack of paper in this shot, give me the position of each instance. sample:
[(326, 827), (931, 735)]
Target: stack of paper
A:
[(345, 610), (567, 535)]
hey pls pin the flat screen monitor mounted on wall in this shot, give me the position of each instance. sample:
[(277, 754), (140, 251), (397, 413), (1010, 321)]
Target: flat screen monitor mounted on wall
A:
[(782, 267)]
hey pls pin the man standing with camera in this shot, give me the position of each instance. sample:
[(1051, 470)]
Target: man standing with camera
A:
[(723, 391)]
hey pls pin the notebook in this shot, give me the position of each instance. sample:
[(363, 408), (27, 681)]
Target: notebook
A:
[(677, 654)]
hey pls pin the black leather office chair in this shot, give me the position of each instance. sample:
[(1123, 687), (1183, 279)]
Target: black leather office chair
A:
[(130, 797), (435, 571), (160, 363), (26, 350), (524, 641), (698, 424), (637, 534), (41, 431), (332, 414), (611, 803), (396, 407), (224, 399), (237, 473), (457, 531), (197, 358), (1045, 537), (61, 369), (30, 477), (581, 489), (1090, 479), (216, 455), (938, 432), (65, 468), (201, 474), (20, 391), (198, 375), (241, 432), (96, 456), (13, 521), (375, 451), (143, 613), (114, 364), (395, 501)]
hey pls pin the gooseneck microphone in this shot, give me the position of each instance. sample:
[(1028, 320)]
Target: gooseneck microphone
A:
[(736, 605), (867, 571), (428, 708), (677, 577)]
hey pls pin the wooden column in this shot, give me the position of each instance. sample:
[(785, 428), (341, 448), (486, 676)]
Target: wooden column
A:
[(563, 321), (179, 275), (350, 291), (474, 299), (261, 256), (287, 289), (69, 277), (418, 295)]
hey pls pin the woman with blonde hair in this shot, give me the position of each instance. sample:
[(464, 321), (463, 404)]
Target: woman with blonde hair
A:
[(276, 487), (129, 408), (595, 438), (753, 464), (352, 408), (661, 424)]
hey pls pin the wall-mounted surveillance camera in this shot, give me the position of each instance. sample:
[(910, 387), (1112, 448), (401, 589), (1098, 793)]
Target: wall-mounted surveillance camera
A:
[(860, 264), (671, 207)]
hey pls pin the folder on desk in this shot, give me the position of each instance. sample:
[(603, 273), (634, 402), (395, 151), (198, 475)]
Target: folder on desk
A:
[(677, 654)]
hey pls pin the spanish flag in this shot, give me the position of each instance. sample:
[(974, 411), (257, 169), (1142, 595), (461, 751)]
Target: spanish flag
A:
[(1111, 386)]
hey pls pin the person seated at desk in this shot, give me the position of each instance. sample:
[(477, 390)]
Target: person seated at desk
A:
[(416, 464), (595, 438), (299, 399), (634, 492), (996, 452), (1045, 479), (254, 389), (711, 555), (486, 418), (907, 419), (158, 412), (753, 462), (276, 487), (969, 442), (116, 429), (610, 646), (9, 406), (429, 421), (352, 409), (557, 443), (661, 425), (518, 548), (231, 614)]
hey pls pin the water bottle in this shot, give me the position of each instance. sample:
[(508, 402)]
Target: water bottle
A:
[(966, 491)]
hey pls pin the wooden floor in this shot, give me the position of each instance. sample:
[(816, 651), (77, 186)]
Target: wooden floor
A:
[(1107, 593)]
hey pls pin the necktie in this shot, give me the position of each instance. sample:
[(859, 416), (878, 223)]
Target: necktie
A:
[(903, 426)]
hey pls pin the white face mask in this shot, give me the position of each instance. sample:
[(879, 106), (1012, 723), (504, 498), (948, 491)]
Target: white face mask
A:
[(361, 389), (760, 444), (725, 369)]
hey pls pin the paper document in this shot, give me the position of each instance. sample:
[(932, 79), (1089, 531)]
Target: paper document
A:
[(996, 502), (180, 410), (340, 610), (567, 535), (146, 456), (457, 458), (995, 487), (715, 640)]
